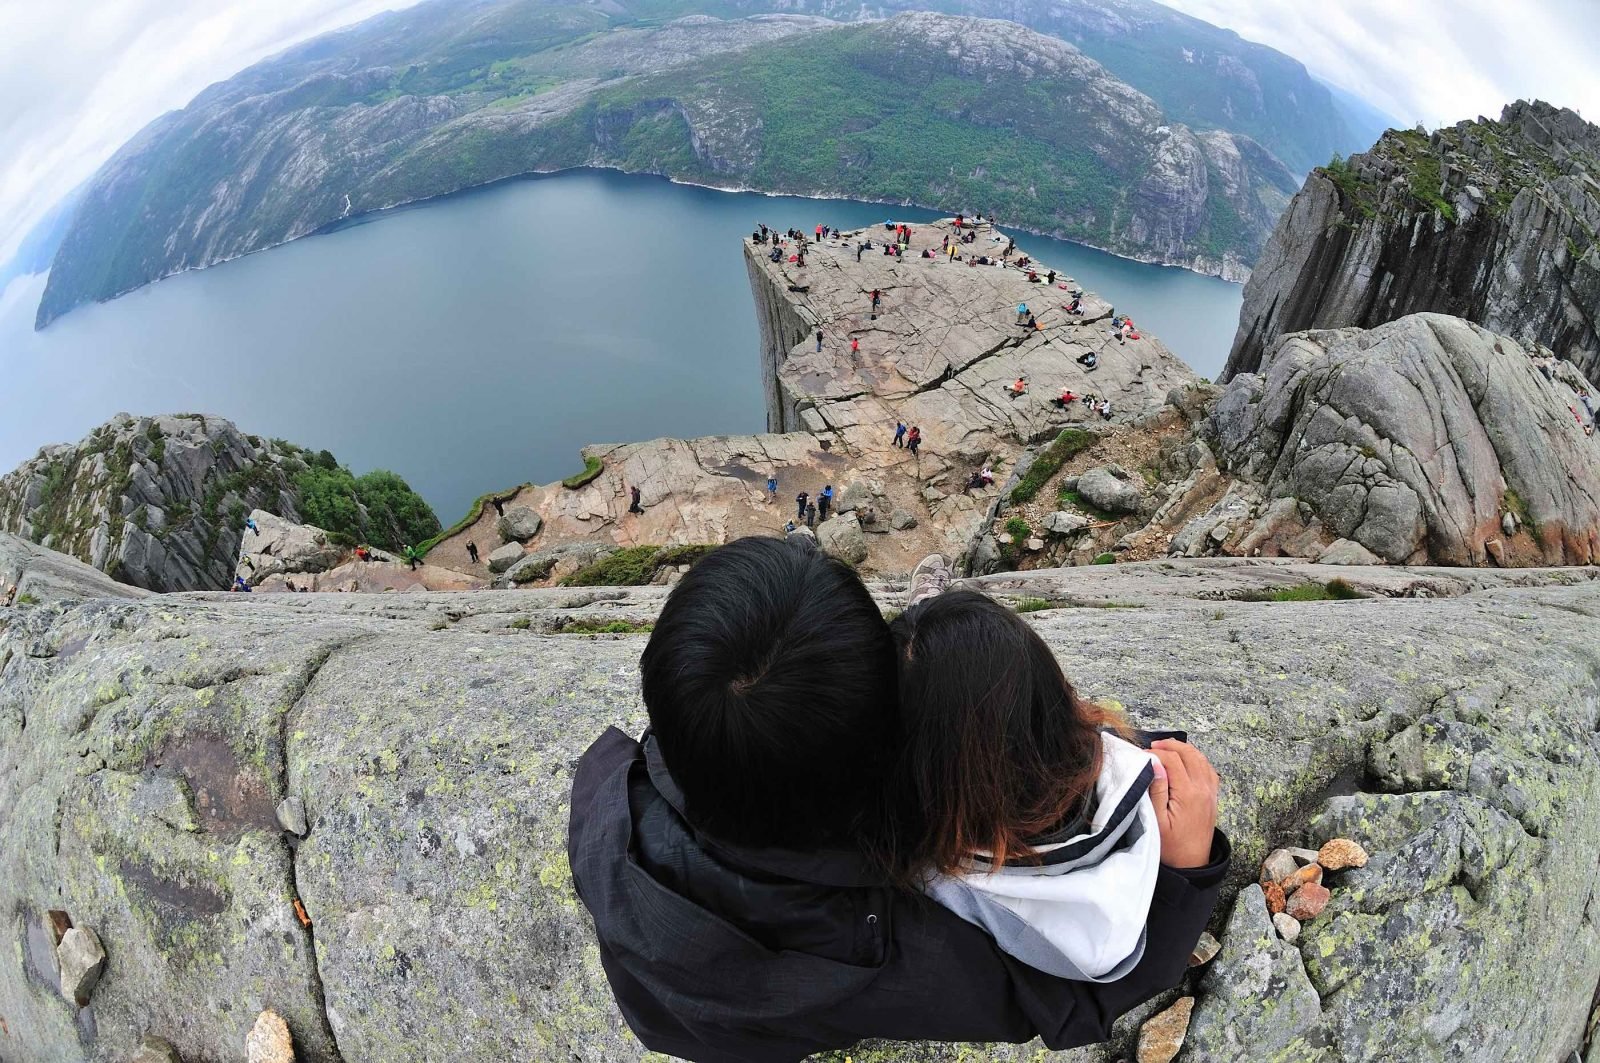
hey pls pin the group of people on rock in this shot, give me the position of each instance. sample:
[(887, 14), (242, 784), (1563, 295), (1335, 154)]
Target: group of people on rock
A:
[(807, 509), (910, 440)]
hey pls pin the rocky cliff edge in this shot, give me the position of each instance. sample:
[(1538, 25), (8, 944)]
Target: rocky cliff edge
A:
[(429, 740)]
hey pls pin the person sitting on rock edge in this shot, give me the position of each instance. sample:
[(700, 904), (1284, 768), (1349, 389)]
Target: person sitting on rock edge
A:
[(741, 843), (1085, 827)]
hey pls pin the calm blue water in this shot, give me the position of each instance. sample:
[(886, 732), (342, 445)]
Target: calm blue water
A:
[(477, 342)]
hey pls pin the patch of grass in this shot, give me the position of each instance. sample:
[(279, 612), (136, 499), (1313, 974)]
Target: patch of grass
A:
[(597, 626), (1018, 528), (1033, 605), (1077, 501), (1107, 558), (636, 565), (1334, 590), (27, 599), (1070, 443), (1513, 504), (592, 467), (521, 623)]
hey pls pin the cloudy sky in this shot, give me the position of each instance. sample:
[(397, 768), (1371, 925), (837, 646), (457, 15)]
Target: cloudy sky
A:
[(82, 76)]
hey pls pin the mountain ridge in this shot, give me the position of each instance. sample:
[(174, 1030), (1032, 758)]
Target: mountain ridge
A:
[(331, 129)]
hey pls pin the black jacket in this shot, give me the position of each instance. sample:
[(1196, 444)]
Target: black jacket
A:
[(722, 954)]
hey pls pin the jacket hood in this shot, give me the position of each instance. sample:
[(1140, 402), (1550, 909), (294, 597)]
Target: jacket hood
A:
[(1078, 909), (719, 934)]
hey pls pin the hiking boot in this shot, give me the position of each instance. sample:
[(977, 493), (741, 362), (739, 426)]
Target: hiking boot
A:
[(931, 576)]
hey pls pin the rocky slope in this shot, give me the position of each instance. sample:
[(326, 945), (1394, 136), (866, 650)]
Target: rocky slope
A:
[(971, 114), (429, 740), (1426, 440), (1494, 221), (938, 355), (157, 502), (161, 502)]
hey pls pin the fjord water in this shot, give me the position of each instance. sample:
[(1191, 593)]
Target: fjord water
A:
[(477, 342)]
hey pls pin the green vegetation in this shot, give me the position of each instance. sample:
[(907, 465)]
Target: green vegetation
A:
[(521, 623), (1426, 182), (599, 626), (635, 566), (1363, 195), (1033, 605), (592, 467), (1104, 559), (1513, 503), (1070, 443), (378, 508), (27, 599), (1333, 590)]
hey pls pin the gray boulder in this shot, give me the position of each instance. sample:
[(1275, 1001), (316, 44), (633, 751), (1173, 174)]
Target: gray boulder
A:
[(1063, 523), (1111, 488), (506, 556), (841, 537), (282, 547), (1413, 438), (519, 524), (901, 520), (1345, 552)]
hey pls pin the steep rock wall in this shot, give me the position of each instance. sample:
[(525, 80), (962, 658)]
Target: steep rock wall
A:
[(1426, 439), (1493, 221), (784, 324), (431, 738)]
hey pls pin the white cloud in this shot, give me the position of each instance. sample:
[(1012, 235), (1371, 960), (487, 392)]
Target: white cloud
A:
[(82, 76), (1434, 61)]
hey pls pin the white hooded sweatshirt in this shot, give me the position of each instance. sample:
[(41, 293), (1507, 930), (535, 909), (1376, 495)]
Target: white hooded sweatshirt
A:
[(1079, 909)]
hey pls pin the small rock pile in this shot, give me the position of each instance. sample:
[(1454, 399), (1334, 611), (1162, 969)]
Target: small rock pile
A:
[(1292, 881)]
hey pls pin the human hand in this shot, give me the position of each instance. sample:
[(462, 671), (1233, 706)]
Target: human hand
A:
[(1185, 798)]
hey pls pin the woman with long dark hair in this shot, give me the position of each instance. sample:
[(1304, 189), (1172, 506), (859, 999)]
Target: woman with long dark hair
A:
[(1027, 809)]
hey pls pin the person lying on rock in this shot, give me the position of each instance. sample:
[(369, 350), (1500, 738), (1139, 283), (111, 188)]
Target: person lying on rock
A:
[(1037, 816), (746, 862)]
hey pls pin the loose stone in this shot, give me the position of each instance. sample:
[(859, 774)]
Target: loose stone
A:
[(292, 816), (1341, 853), (1275, 898), (81, 959), (155, 1050), (1161, 1038), (1205, 950), (1304, 856), (268, 1040), (1288, 926), (1278, 866), (1305, 876), (1308, 901)]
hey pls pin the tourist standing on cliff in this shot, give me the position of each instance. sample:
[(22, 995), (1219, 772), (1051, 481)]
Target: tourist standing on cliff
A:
[(824, 500), (800, 501), (635, 507), (772, 488), (819, 341), (899, 433), (914, 440), (472, 551), (811, 514), (855, 345)]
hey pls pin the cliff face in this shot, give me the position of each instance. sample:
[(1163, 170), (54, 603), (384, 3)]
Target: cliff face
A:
[(1492, 221), (145, 744), (158, 502)]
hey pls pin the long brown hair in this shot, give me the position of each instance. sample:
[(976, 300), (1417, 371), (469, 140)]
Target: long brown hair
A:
[(995, 748)]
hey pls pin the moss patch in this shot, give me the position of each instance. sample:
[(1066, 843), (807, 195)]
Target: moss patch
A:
[(1070, 443), (592, 467)]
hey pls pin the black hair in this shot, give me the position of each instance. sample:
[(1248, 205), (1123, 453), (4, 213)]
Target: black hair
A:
[(995, 747), (770, 683)]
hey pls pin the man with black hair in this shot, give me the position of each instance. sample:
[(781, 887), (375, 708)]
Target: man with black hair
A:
[(727, 856)]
